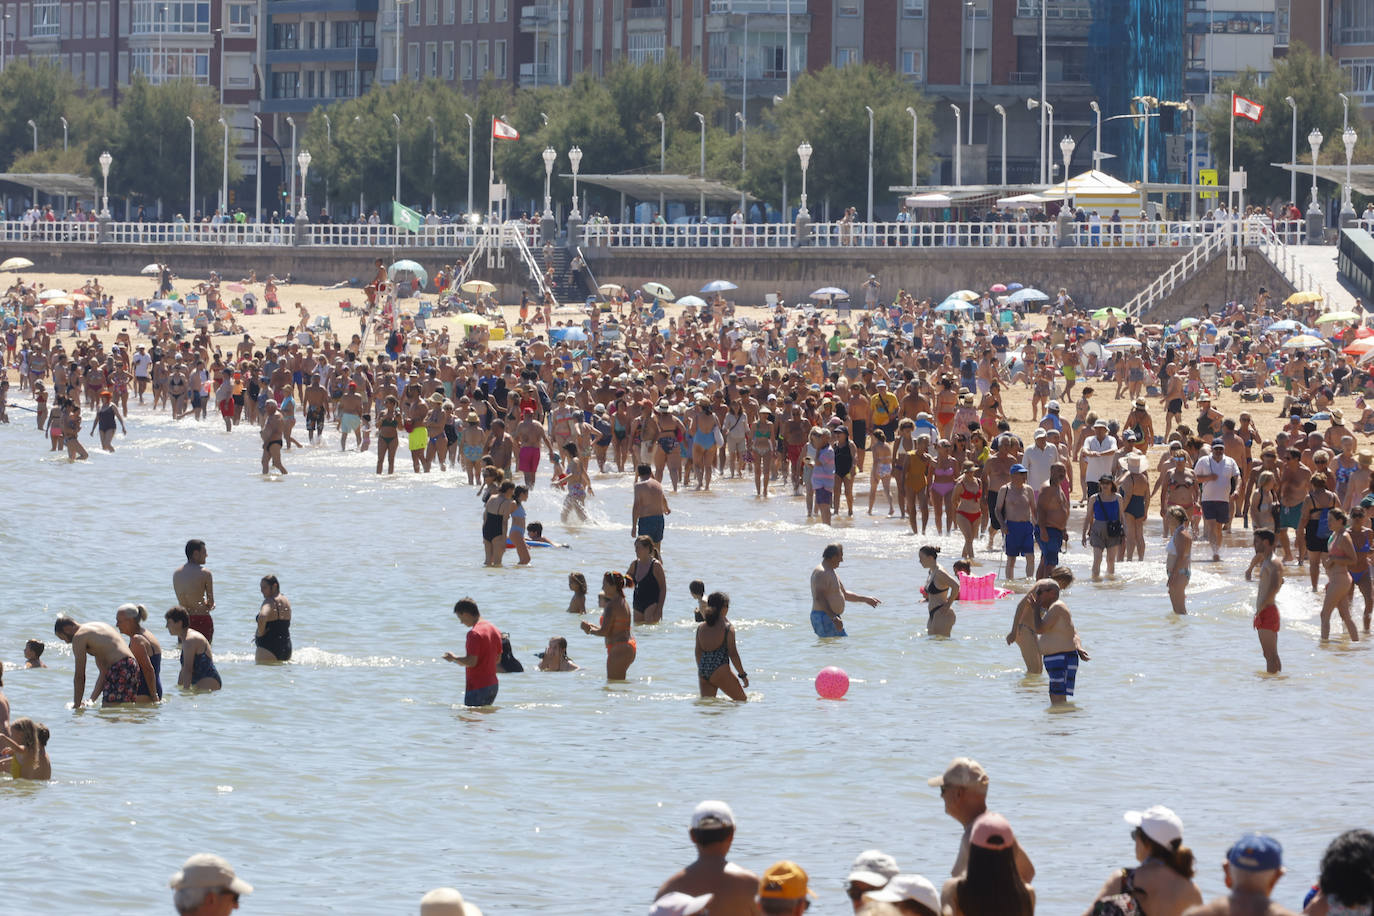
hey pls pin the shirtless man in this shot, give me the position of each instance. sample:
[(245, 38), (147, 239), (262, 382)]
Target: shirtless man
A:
[(315, 400), (996, 475), (859, 412), (1016, 504), (529, 436), (351, 417), (1295, 480), (1052, 519), (1060, 649), (1266, 620), (1172, 399), (731, 887), (272, 432), (121, 674), (195, 588), (795, 432), (650, 506), (828, 594)]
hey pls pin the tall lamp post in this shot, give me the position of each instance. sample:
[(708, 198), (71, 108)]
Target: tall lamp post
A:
[(804, 154), (1293, 160), (105, 160), (469, 117), (64, 149), (433, 158), (743, 157), (1003, 112), (1348, 137), (662, 154), (1031, 105), (1314, 140), (972, 33), (575, 159), (701, 206), (35, 134), (782, 214), (550, 157), (958, 154), (291, 202), (1066, 148), (870, 162), (303, 160), (257, 129), (329, 141), (1097, 140), (191, 207), (912, 111), (224, 172), (396, 76), (397, 118)]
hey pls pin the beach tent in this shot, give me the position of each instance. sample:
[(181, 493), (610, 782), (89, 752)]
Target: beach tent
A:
[(1094, 190)]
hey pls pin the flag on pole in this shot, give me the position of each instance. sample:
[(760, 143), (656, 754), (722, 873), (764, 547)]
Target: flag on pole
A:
[(1244, 108), (500, 130), (403, 217)]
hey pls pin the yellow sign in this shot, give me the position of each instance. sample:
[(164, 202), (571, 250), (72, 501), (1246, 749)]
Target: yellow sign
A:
[(1207, 178)]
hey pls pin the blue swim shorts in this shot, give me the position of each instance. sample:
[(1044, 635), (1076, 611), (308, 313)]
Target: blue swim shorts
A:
[(1062, 668), (824, 625)]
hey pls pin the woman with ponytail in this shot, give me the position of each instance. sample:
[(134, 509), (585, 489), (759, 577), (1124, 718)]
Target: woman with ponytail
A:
[(1162, 884), (614, 626), (716, 651)]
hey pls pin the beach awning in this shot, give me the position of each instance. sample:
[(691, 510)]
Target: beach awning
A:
[(53, 183), (1022, 200), (672, 187), (931, 199), (1361, 176)]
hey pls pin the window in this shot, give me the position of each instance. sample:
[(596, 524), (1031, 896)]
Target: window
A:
[(1357, 23), (284, 85), (104, 70), (577, 60), (465, 59), (502, 10), (913, 64), (369, 33), (450, 9), (310, 35), (45, 21), (914, 9), (498, 60), (849, 8), (1361, 71), (1225, 22), (846, 56), (644, 47), (286, 36), (415, 12), (413, 60), (310, 84), (467, 11), (596, 62), (345, 34), (577, 12), (153, 16), (483, 10), (241, 18), (448, 61), (366, 79), (432, 13), (343, 84), (171, 64), (431, 58), (483, 58)]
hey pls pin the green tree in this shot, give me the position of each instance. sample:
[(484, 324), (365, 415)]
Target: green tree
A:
[(39, 92), (1315, 87)]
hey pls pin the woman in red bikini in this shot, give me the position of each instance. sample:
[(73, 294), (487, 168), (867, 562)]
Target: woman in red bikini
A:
[(968, 507), (614, 626)]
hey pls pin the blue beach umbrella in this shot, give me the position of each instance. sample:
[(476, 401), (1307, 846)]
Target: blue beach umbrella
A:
[(718, 286)]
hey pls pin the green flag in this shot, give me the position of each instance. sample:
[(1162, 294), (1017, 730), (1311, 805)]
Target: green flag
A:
[(405, 218)]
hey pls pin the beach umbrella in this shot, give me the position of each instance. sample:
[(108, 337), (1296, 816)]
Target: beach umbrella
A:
[(1186, 323), (409, 267), (16, 264), (611, 289), (469, 320), (1124, 343), (1364, 332), (566, 334), (718, 286), (478, 286), (829, 292), (1303, 342), (79, 297), (1112, 312), (1029, 294), (997, 288), (954, 305), (1304, 297), (692, 300), (1360, 347), (60, 300), (1287, 324), (967, 295), (659, 291), (150, 269), (1331, 317), (52, 294), (1013, 287)]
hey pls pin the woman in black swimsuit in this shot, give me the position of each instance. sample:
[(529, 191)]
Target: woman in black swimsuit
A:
[(713, 664), (273, 637), (646, 572), (497, 510)]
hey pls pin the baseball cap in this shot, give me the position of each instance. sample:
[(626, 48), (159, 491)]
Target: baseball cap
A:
[(209, 871), (1101, 423), (1018, 469), (1158, 823), (445, 901), (908, 887), (710, 815), (1053, 405), (873, 867), (1040, 432), (991, 831), (784, 881), (1256, 852), (962, 771), (677, 903), (1218, 442)]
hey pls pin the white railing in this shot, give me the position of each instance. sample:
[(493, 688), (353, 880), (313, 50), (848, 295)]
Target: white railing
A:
[(41, 231), (231, 234), (1198, 255)]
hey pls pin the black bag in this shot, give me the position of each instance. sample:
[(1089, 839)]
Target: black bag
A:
[(1115, 529)]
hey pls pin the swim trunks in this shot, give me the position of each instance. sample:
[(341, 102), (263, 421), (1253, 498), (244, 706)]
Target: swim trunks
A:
[(652, 526), (528, 461), (481, 696), (203, 624), (1290, 516), (823, 496), (825, 625), (1062, 668), (1216, 510), (1051, 541), (419, 439), (993, 522), (348, 422), (1175, 405), (122, 681), (1019, 539), (1267, 618)]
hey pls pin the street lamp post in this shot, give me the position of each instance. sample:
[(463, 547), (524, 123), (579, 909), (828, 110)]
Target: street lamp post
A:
[(1031, 105), (972, 33), (397, 118), (1097, 140), (912, 111), (191, 205), (870, 162), (291, 202), (1348, 137), (575, 159), (329, 141), (1066, 148), (257, 129), (782, 217), (958, 154), (64, 149), (743, 157), (303, 160), (1003, 112), (433, 159), (701, 206), (469, 117), (662, 151), (804, 154), (224, 172), (550, 156), (105, 160), (35, 134), (1314, 140), (1293, 160), (396, 76)]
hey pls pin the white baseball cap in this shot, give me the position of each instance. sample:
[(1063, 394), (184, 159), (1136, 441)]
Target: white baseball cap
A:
[(873, 867), (1158, 823), (677, 903), (445, 901), (710, 815), (908, 887)]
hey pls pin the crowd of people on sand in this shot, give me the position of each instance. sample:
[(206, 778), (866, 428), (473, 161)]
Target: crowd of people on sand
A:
[(992, 873)]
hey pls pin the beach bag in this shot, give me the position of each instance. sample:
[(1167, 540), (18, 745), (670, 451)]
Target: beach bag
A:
[(1116, 905), (1115, 529)]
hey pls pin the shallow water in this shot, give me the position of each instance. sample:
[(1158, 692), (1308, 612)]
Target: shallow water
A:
[(352, 780)]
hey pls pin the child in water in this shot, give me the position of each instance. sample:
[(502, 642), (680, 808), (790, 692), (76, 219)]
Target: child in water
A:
[(698, 590), (28, 740), (33, 654), (577, 583)]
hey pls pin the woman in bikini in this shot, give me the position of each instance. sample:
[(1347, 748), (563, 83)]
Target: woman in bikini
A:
[(1178, 558), (1341, 559), (901, 450), (716, 652), (615, 626), (1360, 537), (968, 506), (388, 421), (1177, 486), (942, 477), (881, 475), (516, 536), (918, 465), (761, 444), (990, 409), (941, 591)]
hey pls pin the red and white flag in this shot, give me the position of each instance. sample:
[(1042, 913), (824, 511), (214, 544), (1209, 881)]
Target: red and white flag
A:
[(1244, 108), (500, 130)]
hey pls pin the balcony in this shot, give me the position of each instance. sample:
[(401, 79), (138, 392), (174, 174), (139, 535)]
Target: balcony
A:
[(541, 17), (536, 75), (1055, 9), (654, 11)]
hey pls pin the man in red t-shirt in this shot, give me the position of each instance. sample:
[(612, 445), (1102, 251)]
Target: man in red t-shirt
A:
[(482, 652)]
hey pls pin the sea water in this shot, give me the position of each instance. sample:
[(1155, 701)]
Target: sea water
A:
[(351, 780)]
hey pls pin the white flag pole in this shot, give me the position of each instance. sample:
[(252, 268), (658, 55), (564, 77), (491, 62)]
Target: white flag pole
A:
[(491, 166), (1231, 157)]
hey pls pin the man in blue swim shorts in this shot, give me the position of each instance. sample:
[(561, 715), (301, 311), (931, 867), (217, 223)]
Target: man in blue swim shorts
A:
[(1016, 511), (1051, 518), (650, 506), (1059, 644), (828, 594)]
